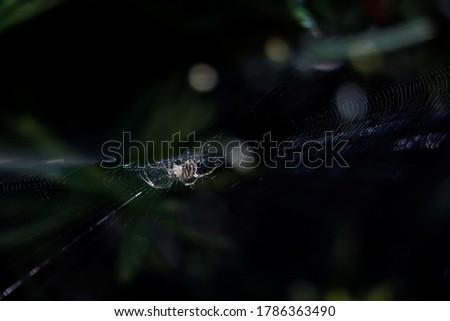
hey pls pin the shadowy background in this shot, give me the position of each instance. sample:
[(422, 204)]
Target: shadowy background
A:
[(75, 74)]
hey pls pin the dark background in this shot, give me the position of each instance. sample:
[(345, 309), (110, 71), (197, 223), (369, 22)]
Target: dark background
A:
[(81, 72)]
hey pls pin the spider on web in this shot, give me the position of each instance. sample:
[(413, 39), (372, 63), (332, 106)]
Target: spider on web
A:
[(163, 175)]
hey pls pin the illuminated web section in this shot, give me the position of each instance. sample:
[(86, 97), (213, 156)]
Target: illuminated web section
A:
[(407, 116), (47, 207)]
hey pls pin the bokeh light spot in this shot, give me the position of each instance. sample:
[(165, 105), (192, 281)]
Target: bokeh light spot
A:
[(365, 56), (277, 50), (203, 77), (351, 102)]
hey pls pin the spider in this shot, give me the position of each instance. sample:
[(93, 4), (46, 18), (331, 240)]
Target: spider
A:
[(186, 173)]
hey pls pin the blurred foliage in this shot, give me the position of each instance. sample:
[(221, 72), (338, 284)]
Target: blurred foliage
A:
[(304, 16), (13, 12)]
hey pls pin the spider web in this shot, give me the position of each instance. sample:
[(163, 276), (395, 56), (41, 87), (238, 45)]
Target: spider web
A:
[(392, 130)]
